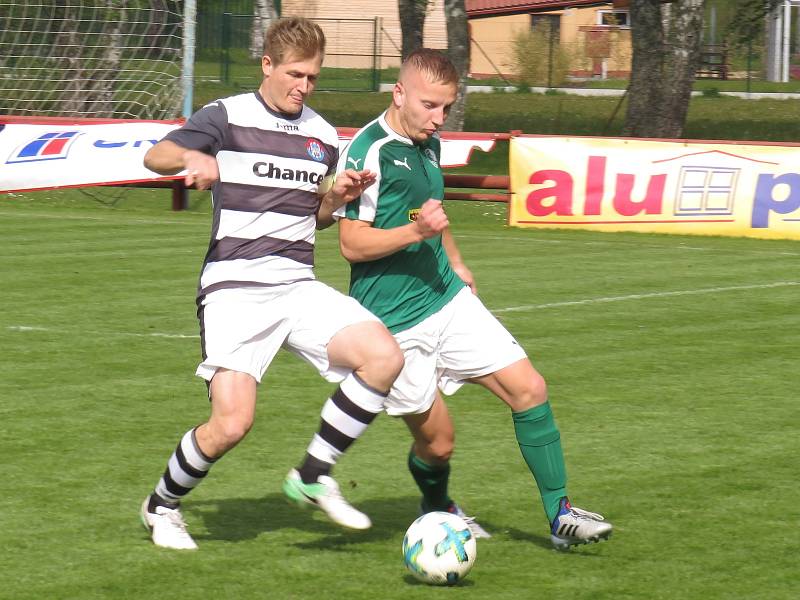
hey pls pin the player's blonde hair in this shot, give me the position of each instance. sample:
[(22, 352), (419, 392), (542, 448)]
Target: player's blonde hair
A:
[(296, 37), (433, 64)]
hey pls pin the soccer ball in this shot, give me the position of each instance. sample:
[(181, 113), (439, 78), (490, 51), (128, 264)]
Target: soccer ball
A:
[(439, 548)]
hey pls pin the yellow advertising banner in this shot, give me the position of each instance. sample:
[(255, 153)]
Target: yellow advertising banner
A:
[(615, 184)]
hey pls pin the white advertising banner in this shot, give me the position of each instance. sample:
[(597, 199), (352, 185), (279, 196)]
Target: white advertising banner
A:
[(57, 153)]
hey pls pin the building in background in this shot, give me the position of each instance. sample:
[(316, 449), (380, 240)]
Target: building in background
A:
[(594, 36)]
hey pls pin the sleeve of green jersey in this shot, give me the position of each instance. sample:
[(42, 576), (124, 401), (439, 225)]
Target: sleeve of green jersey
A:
[(361, 153)]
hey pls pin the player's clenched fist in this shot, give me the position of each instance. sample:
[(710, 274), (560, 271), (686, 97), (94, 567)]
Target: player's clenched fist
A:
[(431, 219)]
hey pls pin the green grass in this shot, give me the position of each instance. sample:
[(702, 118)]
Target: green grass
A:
[(722, 118), (672, 369)]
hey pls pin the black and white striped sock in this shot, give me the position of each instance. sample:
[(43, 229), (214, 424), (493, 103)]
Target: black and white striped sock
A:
[(345, 416), (185, 470)]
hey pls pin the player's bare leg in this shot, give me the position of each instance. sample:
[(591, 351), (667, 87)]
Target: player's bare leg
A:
[(233, 401), (429, 461), (373, 356), (523, 389)]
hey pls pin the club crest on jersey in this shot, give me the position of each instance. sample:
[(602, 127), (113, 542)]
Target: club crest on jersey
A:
[(431, 156), (315, 150), (48, 146), (413, 213)]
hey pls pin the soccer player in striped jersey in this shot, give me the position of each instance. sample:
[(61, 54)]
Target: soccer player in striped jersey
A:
[(268, 159), (406, 268)]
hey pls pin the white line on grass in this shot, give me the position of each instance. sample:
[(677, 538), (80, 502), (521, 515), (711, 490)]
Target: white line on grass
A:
[(638, 244), (157, 334), (716, 290), (606, 299)]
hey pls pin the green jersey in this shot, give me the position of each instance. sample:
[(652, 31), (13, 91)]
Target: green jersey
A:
[(403, 288)]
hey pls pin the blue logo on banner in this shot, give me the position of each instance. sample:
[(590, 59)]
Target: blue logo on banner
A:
[(48, 146)]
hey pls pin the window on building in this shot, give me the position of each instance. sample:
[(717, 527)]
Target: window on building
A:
[(615, 18), (549, 24)]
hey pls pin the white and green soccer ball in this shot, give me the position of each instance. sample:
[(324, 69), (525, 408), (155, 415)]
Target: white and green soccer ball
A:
[(439, 548)]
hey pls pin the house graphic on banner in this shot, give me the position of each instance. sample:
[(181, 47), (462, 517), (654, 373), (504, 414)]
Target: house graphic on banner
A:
[(706, 184)]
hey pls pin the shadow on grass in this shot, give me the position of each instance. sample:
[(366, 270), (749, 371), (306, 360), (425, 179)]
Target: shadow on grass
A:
[(411, 580), (240, 519)]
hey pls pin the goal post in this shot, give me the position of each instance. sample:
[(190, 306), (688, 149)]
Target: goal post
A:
[(95, 58)]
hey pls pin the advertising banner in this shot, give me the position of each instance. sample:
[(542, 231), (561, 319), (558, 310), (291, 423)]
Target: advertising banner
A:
[(57, 153), (615, 184)]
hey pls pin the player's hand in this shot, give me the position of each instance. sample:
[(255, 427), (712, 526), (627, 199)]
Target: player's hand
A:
[(350, 184), (431, 219), (465, 275), (202, 169)]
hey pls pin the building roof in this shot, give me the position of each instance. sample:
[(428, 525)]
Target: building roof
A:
[(490, 8)]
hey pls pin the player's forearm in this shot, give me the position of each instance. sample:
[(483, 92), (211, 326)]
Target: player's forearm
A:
[(451, 248), (166, 158), (369, 243), (327, 206)]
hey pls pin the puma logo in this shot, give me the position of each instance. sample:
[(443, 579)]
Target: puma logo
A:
[(355, 161), (403, 163)]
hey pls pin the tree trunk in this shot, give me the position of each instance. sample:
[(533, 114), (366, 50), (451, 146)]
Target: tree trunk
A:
[(66, 42), (458, 46), (263, 14), (666, 39), (412, 21)]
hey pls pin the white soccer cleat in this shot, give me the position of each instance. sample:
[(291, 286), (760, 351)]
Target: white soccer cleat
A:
[(573, 526), (167, 527), (324, 494), (477, 530)]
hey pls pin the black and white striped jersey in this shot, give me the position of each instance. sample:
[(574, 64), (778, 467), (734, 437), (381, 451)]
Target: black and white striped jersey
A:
[(271, 166)]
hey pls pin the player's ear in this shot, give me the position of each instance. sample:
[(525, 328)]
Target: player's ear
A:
[(266, 65), (398, 94)]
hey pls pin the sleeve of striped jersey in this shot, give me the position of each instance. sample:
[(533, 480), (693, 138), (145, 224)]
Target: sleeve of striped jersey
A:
[(204, 131), (358, 155)]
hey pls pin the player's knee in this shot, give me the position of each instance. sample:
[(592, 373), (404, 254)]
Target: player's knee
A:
[(442, 450), (231, 431), (437, 451), (385, 361), (533, 393)]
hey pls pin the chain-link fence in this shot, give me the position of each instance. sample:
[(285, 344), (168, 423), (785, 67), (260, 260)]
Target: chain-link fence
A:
[(229, 48)]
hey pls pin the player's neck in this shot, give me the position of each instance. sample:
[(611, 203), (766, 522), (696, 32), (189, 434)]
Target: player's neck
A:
[(393, 121)]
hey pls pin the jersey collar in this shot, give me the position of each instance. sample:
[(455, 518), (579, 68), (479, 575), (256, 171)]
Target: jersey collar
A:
[(391, 132), (275, 113)]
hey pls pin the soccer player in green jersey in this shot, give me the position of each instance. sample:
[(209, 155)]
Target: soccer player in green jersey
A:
[(407, 270)]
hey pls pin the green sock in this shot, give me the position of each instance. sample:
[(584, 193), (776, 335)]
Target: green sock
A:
[(432, 482), (540, 443)]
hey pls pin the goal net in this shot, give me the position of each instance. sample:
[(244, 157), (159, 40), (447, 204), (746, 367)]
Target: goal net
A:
[(91, 58)]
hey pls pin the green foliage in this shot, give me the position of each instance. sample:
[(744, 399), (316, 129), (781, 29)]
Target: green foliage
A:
[(675, 394), (746, 23), (711, 92), (535, 63)]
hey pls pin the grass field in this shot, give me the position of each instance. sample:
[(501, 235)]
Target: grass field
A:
[(672, 369)]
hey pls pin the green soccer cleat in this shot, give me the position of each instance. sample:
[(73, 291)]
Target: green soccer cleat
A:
[(325, 495)]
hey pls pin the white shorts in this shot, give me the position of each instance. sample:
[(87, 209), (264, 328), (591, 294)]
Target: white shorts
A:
[(461, 341), (243, 328)]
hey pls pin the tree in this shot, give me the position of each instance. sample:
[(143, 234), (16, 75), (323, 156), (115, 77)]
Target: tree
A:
[(747, 20), (263, 14), (412, 21), (667, 39), (458, 46)]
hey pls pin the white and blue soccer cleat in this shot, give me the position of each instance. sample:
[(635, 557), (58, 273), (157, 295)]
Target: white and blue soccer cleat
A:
[(573, 526)]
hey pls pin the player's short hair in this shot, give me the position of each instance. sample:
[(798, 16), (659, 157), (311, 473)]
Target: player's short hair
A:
[(433, 64), (295, 36)]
